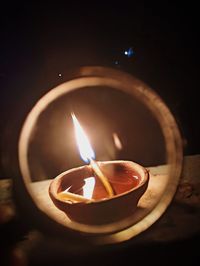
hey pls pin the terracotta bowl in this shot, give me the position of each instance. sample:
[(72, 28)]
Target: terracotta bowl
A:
[(128, 180)]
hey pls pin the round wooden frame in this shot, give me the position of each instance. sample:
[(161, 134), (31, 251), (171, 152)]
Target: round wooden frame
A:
[(97, 76)]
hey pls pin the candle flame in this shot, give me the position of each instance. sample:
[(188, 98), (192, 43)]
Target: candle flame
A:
[(88, 188), (84, 146)]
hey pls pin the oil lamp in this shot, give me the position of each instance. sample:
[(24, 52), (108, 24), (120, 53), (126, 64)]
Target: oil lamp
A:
[(101, 192), (107, 200)]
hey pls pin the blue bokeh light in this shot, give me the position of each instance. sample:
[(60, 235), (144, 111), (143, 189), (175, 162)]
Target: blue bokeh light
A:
[(129, 52)]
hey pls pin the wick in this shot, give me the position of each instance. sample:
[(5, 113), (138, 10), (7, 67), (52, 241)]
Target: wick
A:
[(96, 169), (68, 196)]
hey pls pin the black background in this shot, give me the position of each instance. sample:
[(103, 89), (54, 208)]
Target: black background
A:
[(39, 41)]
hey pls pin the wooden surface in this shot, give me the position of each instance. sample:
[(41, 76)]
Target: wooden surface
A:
[(171, 238), (156, 186), (179, 221), (182, 218)]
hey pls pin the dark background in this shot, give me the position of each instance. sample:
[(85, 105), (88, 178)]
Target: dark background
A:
[(38, 42)]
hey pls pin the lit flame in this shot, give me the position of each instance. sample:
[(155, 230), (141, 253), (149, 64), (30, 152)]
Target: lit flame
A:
[(85, 149), (88, 188), (88, 155)]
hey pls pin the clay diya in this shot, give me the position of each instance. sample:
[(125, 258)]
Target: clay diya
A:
[(128, 180)]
